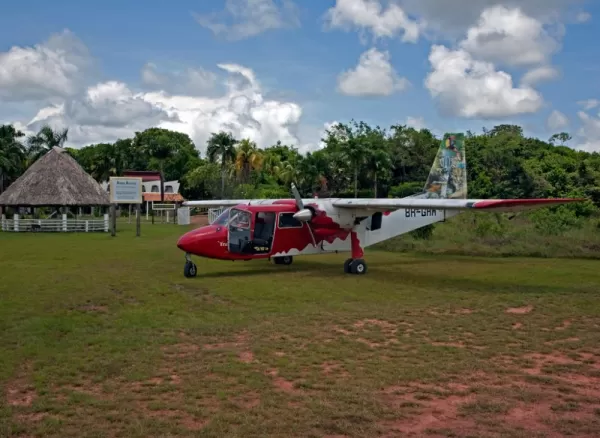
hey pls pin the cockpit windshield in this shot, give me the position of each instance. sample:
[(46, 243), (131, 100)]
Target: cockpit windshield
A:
[(222, 219), (239, 219)]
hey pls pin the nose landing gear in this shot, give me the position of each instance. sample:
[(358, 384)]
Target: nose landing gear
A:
[(189, 270)]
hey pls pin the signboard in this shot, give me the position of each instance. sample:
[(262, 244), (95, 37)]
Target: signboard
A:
[(125, 190)]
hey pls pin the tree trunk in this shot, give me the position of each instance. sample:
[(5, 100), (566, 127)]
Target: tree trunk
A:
[(223, 183), (375, 185), (356, 181)]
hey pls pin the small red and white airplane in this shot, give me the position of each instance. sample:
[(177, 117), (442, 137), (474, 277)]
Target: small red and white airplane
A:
[(280, 229)]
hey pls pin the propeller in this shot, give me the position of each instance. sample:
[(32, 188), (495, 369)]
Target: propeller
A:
[(303, 214)]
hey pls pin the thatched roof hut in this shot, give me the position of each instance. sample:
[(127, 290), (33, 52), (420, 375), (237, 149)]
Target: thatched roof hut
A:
[(55, 179)]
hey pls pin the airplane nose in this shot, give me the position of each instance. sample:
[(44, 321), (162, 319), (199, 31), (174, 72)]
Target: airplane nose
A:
[(184, 242)]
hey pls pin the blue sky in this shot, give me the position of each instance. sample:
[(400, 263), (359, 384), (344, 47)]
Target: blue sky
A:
[(301, 63)]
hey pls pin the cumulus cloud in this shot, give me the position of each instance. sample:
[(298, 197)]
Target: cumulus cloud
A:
[(55, 67), (470, 88), (370, 16), (250, 18), (190, 81), (589, 104), (452, 18), (182, 101), (557, 121), (539, 74), (589, 132), (417, 123), (373, 76), (509, 36)]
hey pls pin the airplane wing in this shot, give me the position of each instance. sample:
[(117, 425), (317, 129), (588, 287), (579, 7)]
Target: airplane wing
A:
[(493, 205), (216, 203)]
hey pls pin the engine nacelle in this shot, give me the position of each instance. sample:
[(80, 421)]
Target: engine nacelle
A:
[(304, 215)]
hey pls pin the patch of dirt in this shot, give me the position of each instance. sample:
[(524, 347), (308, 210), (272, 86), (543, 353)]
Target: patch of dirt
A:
[(565, 325), (19, 391), (182, 349), (93, 308), (334, 368), (480, 403), (520, 310), (247, 356), (420, 414), (281, 383), (247, 401), (199, 219), (517, 326)]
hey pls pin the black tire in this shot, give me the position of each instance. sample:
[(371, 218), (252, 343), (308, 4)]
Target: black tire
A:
[(287, 260), (347, 266), (190, 270), (358, 267)]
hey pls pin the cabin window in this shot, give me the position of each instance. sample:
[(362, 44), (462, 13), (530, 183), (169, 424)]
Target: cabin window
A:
[(155, 189), (240, 219), (168, 189), (376, 221), (144, 189), (287, 220)]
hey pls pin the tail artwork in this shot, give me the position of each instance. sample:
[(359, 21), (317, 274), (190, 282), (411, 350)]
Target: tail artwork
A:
[(448, 176)]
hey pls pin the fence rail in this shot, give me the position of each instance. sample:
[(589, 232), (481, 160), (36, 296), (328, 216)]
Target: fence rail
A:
[(55, 225), (214, 213)]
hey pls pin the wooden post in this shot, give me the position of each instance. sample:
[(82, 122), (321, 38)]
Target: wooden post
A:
[(138, 219), (113, 220)]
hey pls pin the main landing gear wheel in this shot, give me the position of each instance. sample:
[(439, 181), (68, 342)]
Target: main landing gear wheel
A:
[(358, 266), (190, 270), (285, 260)]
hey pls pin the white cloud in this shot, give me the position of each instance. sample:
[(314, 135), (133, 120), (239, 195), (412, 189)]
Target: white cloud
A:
[(583, 17), (369, 15), (373, 76), (475, 89), (557, 121), (190, 81), (589, 132), (452, 18), (589, 104), (54, 68), (415, 122), (250, 18), (108, 110), (539, 74), (508, 36)]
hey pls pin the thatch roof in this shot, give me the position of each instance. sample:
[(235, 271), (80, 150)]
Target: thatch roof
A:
[(55, 179)]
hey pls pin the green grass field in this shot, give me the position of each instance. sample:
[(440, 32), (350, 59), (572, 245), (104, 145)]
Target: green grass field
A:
[(104, 337)]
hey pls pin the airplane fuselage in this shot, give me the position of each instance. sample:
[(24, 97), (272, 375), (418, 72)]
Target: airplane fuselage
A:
[(268, 229)]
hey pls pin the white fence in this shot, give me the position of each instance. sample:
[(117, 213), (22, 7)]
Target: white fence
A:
[(214, 213), (55, 225)]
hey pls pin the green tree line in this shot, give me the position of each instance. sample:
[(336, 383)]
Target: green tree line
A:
[(358, 160)]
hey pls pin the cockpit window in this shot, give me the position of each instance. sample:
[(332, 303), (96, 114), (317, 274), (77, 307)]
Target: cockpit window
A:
[(239, 219), (222, 219)]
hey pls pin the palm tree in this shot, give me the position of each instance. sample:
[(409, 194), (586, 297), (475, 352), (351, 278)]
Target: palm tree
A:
[(379, 163), (12, 153), (248, 158), (161, 151), (43, 141), (221, 147)]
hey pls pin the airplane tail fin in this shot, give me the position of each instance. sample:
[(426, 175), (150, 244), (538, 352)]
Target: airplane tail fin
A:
[(448, 176)]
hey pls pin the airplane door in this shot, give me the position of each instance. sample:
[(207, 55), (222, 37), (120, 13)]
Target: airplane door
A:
[(239, 231)]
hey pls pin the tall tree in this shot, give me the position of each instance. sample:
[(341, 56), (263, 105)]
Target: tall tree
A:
[(12, 154), (46, 138), (248, 158), (221, 147)]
